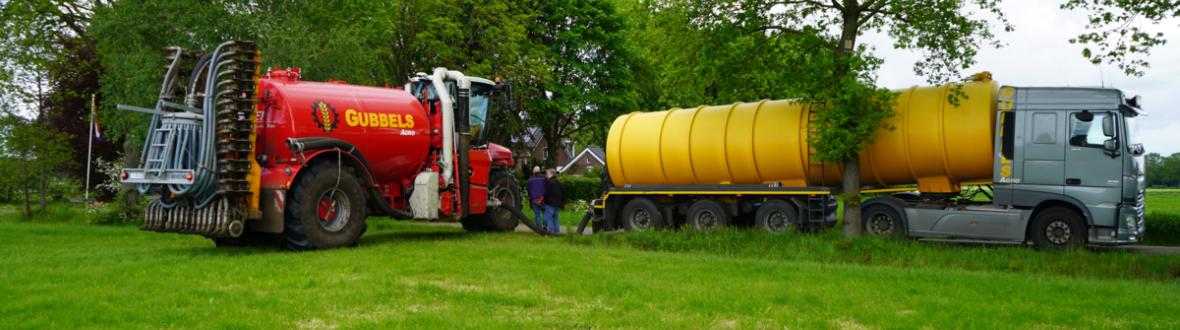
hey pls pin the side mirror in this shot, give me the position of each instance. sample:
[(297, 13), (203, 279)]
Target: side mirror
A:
[(1108, 125), (1111, 147)]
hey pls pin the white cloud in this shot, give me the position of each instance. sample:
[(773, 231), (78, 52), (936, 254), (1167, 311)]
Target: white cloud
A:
[(1038, 53)]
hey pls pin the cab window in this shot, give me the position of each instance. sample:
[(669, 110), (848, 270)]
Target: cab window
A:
[(1085, 129)]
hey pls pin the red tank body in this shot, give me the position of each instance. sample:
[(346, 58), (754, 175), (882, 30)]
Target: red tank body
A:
[(389, 127)]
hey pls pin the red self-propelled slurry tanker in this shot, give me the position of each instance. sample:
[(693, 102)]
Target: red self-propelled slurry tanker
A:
[(237, 154)]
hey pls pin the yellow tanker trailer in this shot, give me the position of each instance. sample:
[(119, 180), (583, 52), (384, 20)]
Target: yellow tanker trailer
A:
[(752, 163)]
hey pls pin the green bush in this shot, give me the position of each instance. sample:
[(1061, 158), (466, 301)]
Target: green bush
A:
[(1162, 229), (580, 188)]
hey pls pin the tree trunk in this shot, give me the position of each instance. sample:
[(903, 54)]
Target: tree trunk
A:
[(130, 160), (43, 188), (851, 178), (551, 151), (25, 186), (851, 196)]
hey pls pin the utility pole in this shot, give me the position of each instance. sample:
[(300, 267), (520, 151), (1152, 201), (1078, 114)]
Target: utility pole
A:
[(89, 148)]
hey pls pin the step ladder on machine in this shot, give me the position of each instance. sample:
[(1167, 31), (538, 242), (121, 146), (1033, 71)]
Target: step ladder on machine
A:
[(816, 204), (159, 150)]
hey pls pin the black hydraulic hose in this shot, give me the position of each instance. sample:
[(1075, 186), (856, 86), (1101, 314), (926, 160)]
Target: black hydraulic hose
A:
[(585, 220), (392, 212), (525, 220)]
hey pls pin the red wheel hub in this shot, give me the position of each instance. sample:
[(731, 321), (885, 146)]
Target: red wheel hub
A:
[(326, 209)]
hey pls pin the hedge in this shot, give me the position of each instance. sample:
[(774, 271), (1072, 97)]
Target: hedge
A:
[(580, 187)]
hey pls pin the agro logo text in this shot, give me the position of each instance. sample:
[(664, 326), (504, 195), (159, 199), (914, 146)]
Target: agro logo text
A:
[(324, 115), (382, 120)]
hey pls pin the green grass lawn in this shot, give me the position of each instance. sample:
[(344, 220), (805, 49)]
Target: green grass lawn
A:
[(412, 276), (1163, 200)]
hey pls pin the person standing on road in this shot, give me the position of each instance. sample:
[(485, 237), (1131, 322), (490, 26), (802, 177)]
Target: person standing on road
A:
[(554, 200), (536, 185)]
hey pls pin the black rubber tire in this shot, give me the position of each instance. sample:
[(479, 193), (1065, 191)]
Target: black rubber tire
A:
[(634, 220), (707, 215), (882, 220), (246, 240), (497, 219), (1057, 228), (302, 229), (776, 216)]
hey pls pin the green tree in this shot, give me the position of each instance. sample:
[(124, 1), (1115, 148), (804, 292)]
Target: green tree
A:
[(1115, 35), (1163, 171), (947, 32), (588, 78), (28, 148), (48, 66), (680, 63)]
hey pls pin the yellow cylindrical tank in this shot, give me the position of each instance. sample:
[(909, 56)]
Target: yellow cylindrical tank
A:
[(933, 144)]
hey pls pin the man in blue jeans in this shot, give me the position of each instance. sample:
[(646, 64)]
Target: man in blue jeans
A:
[(553, 200), (536, 185)]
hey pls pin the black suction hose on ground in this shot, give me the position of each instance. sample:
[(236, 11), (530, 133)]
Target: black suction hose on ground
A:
[(585, 220), (528, 223)]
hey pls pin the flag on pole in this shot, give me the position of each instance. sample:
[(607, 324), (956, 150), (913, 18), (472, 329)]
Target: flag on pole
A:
[(97, 130)]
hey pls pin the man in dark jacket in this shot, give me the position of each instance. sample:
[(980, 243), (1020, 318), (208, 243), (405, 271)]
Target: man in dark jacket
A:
[(554, 200), (536, 185)]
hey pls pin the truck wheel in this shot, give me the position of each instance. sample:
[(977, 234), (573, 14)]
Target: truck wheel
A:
[(707, 214), (641, 214), (776, 216), (1058, 228), (499, 218), (881, 220), (326, 210)]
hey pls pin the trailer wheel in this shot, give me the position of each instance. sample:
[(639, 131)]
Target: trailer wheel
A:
[(707, 214), (502, 188), (776, 216), (881, 220), (641, 214), (1058, 228), (326, 210)]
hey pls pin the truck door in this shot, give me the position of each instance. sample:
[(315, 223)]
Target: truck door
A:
[(1093, 174)]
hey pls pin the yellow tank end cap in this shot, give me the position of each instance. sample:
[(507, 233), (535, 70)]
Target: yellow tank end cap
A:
[(982, 76)]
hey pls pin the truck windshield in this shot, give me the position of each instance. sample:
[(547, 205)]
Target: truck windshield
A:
[(479, 111), (1132, 129), (1133, 145)]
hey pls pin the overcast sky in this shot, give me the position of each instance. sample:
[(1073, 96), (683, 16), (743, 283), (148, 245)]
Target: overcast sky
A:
[(1038, 53)]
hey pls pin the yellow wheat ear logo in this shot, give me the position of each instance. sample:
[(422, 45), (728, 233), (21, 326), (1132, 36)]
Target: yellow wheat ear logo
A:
[(324, 115)]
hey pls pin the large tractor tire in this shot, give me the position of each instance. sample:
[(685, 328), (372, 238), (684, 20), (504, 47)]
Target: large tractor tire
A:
[(497, 219), (326, 210)]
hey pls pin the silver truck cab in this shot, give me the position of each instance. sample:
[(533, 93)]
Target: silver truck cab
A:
[(1075, 148)]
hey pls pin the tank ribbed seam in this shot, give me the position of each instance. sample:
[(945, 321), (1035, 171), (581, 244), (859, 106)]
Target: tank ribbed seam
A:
[(692, 122), (660, 145), (946, 165), (753, 142), (905, 135), (622, 169), (725, 145)]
